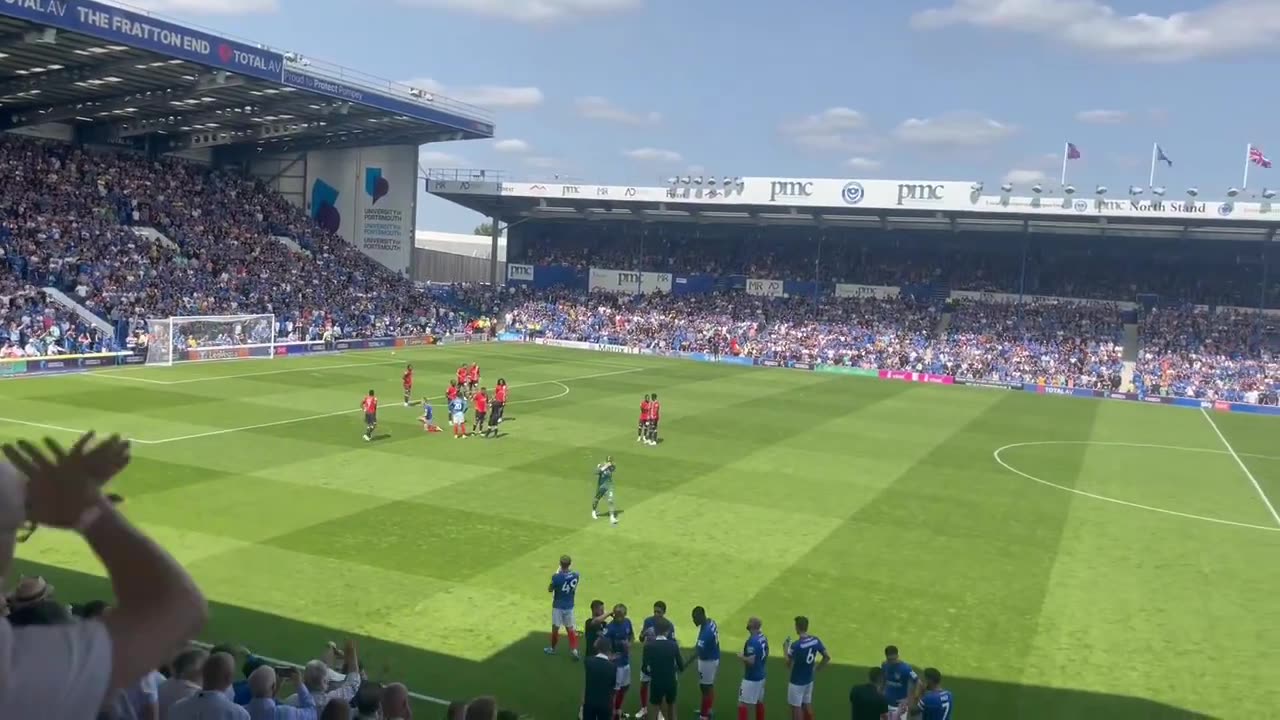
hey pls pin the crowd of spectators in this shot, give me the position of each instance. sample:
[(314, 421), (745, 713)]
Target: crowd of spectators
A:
[(1209, 272), (67, 219), (1225, 355)]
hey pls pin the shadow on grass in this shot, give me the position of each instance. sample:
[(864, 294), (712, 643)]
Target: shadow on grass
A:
[(547, 688)]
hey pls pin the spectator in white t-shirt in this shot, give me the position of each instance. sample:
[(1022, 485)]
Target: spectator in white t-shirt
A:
[(65, 671)]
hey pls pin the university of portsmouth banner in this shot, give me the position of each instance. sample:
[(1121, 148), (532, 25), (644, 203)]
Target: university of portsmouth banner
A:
[(628, 281), (369, 197)]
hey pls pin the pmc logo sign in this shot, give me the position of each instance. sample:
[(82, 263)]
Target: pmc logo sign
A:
[(790, 189), (919, 192)]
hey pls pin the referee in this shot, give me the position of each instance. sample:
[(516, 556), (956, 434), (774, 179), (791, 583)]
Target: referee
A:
[(601, 676), (662, 663)]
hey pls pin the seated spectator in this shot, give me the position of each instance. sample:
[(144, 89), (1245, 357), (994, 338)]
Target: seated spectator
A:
[(213, 701), (265, 687)]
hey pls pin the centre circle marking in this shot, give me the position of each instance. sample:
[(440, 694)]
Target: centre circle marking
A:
[(1164, 511)]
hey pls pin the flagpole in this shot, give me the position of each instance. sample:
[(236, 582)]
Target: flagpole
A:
[(1152, 181), (1066, 148), (1247, 149)]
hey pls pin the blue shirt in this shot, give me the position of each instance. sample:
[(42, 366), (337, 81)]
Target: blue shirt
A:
[(427, 411), (564, 585), (647, 628), (757, 646), (936, 705), (269, 709), (619, 633), (709, 641), (457, 405), (898, 678), (804, 655)]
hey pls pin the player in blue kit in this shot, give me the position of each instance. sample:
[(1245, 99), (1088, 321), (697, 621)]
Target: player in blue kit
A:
[(754, 654), (802, 657), (563, 589), (620, 634), (899, 680), (707, 652), (647, 633), (931, 699)]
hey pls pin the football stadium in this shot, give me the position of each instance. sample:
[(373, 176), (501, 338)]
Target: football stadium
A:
[(1008, 449)]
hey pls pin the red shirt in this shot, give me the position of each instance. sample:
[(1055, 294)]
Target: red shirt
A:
[(475, 373), (644, 410), (654, 410), (482, 402), (408, 378), (500, 394), (462, 375), (370, 404), (452, 392)]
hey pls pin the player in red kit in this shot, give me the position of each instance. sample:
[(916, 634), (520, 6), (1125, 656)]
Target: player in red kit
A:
[(481, 401), (452, 393), (473, 377), (643, 430), (655, 411), (499, 404), (462, 377), (370, 407), (408, 385)]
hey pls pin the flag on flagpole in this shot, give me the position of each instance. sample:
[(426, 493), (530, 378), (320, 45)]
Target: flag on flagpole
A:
[(1069, 152), (1162, 157), (1257, 157)]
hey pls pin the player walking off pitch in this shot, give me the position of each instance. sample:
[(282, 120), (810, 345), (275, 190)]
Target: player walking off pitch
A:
[(563, 589), (604, 489), (899, 682), (408, 385)]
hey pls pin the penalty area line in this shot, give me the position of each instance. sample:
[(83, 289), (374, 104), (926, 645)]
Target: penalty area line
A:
[(1247, 472)]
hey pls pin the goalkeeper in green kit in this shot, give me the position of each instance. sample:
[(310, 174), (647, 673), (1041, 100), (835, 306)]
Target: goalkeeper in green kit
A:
[(604, 489)]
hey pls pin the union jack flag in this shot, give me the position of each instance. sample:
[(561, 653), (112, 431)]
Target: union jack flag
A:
[(1257, 158)]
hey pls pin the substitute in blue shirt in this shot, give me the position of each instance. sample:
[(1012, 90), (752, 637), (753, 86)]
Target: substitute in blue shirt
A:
[(899, 680), (707, 652), (935, 702), (804, 656), (621, 634), (563, 589)]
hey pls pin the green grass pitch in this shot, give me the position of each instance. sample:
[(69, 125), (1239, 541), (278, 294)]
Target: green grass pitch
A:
[(1121, 566)]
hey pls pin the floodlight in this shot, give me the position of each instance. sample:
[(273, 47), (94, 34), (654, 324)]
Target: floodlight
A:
[(1037, 188), (1158, 190), (1135, 190), (1100, 190), (1069, 189), (976, 187), (1007, 187), (1193, 191), (1268, 193), (1233, 191)]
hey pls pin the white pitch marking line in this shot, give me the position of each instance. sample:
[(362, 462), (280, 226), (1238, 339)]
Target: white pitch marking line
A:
[(309, 368), (291, 421), (1247, 472), (1083, 493)]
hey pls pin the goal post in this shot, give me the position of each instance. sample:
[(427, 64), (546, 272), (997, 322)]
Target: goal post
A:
[(210, 337)]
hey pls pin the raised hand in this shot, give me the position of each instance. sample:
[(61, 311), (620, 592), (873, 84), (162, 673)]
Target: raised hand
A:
[(65, 487)]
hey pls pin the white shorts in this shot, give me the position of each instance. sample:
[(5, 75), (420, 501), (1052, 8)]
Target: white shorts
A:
[(707, 671), (798, 695), (644, 678), (622, 677), (897, 712), (562, 617), (751, 692), (458, 419)]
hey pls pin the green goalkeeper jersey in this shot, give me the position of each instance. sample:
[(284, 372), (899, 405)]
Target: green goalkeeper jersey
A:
[(604, 476)]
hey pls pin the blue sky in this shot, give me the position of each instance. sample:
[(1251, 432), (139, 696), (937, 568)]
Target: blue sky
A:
[(630, 91)]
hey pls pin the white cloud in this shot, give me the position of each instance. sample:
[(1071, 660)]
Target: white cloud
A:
[(512, 146), (505, 97), (1102, 117), (1025, 177), (658, 155), (953, 129), (438, 158), (834, 129), (200, 7), (861, 163), (598, 108), (531, 11), (1220, 28)]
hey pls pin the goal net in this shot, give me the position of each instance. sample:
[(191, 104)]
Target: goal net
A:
[(215, 337)]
